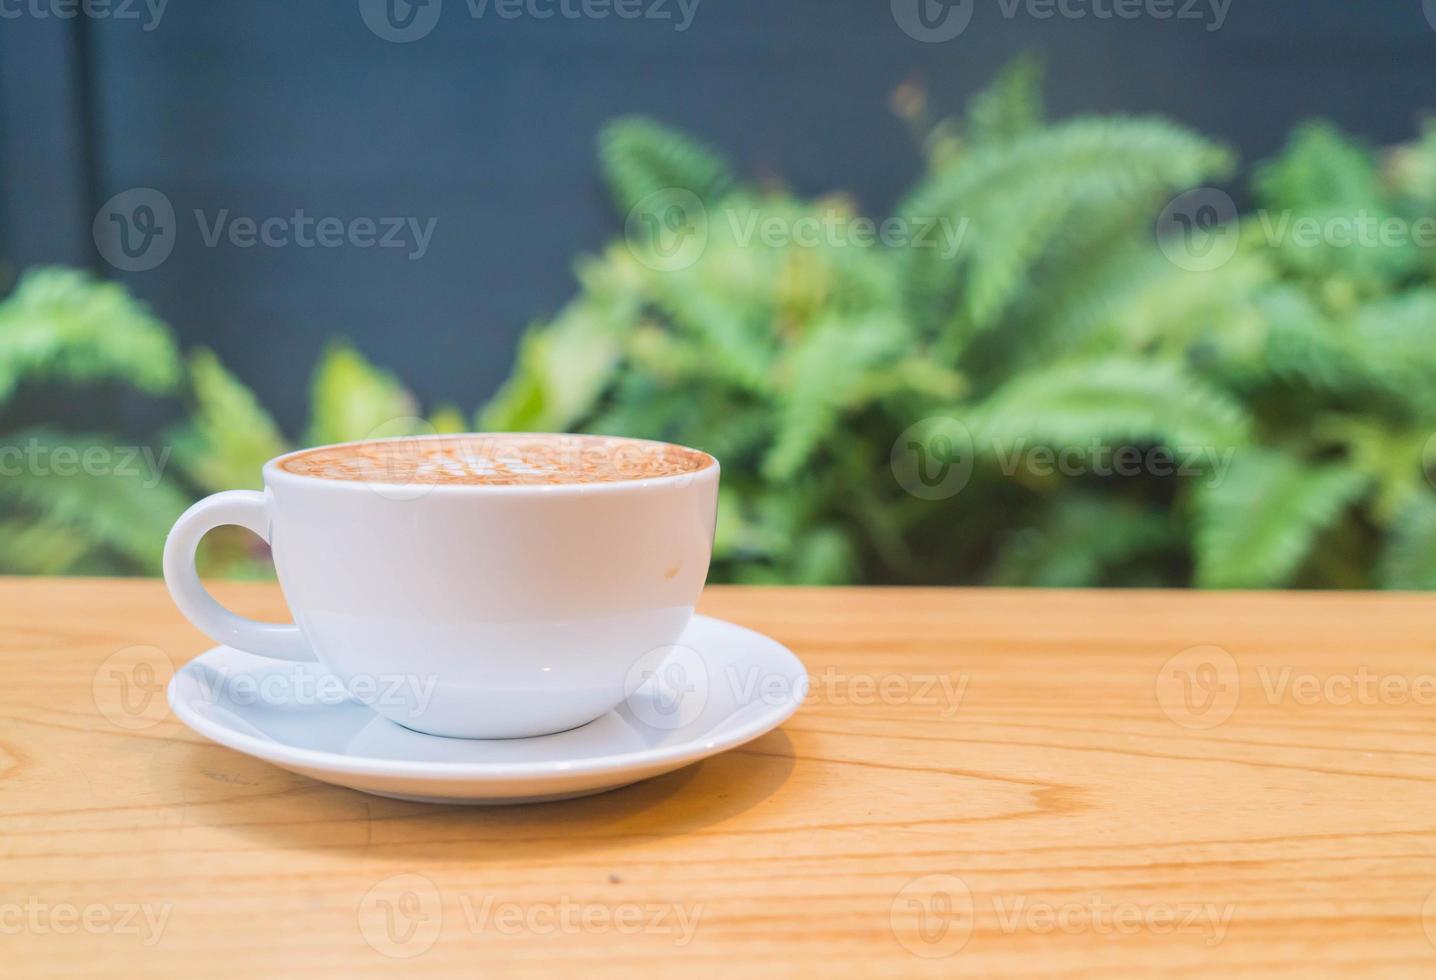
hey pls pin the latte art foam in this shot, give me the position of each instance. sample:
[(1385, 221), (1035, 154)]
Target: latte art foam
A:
[(497, 460)]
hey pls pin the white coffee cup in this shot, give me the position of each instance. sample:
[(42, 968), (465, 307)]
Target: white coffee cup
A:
[(484, 611)]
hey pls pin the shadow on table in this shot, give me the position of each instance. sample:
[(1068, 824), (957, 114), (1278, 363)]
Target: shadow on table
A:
[(216, 787)]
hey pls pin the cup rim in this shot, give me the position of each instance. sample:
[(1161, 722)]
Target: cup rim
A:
[(274, 472)]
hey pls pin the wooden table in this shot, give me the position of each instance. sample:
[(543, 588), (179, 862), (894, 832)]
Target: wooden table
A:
[(981, 782)]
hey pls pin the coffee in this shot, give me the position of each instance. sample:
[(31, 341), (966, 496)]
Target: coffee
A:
[(497, 460)]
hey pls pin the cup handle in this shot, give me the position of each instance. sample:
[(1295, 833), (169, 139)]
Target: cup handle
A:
[(247, 509)]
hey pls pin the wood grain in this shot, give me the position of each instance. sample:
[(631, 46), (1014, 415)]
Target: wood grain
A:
[(1103, 784)]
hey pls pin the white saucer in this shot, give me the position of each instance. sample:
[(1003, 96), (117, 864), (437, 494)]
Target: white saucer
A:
[(720, 686)]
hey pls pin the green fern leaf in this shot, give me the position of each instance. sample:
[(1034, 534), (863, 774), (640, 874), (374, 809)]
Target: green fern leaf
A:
[(1325, 179), (818, 380), (1320, 167), (640, 157), (737, 346), (1258, 524), (1111, 401), (1102, 163), (114, 497), (1011, 105), (62, 324), (229, 436)]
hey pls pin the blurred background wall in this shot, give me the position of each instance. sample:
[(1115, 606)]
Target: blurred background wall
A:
[(485, 126)]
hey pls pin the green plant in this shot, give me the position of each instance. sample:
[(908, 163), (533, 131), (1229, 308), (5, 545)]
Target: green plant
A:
[(101, 503), (1279, 401), (1118, 416), (77, 502)]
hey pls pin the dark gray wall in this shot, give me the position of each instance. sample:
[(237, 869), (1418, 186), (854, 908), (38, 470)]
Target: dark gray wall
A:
[(487, 124)]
